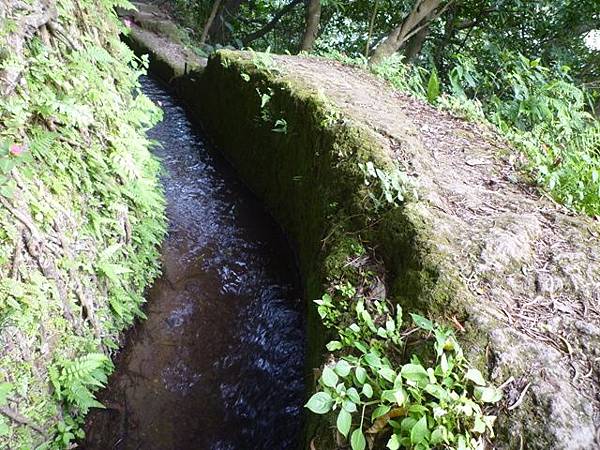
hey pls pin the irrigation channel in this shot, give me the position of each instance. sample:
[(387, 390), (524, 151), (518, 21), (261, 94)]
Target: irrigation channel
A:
[(218, 364)]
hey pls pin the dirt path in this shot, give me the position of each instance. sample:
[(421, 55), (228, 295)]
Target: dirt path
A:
[(533, 266)]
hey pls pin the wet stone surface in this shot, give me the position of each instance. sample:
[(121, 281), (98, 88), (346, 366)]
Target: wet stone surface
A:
[(218, 364)]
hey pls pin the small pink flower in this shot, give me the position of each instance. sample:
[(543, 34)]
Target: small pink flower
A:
[(127, 22), (16, 149)]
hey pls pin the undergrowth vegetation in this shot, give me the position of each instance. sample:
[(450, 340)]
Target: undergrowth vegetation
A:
[(437, 401), (82, 217), (540, 111)]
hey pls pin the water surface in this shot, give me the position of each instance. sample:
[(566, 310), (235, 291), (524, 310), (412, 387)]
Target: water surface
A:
[(218, 364)]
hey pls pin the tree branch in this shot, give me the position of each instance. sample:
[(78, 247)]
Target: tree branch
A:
[(271, 24)]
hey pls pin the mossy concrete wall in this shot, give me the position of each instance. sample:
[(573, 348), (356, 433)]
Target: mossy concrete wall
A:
[(309, 177)]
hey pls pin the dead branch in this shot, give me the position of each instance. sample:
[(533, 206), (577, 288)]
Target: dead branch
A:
[(15, 416)]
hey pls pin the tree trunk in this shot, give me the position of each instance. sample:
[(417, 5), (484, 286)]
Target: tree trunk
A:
[(415, 45), (313, 17), (218, 32), (371, 26), (422, 13), (209, 21)]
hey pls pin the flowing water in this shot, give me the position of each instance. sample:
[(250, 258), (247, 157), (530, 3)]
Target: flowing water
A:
[(218, 363)]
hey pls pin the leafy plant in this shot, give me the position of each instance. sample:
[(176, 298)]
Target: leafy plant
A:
[(389, 187), (437, 401), (433, 87), (75, 381)]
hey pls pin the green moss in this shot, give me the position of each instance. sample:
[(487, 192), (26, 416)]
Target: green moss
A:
[(80, 234)]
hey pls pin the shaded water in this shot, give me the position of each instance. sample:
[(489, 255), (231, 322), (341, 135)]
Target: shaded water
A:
[(218, 364)]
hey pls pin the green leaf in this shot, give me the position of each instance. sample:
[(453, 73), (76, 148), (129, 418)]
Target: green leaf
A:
[(357, 440), (334, 345), (400, 396), (422, 322), (479, 425), (437, 391), (394, 442), (439, 435), (5, 389), (329, 377), (372, 360), (344, 421), (475, 376), (361, 375), (343, 368), (380, 411), (367, 390), (433, 87), (416, 373), (387, 374), (487, 394), (320, 403), (419, 432), (353, 395), (349, 405)]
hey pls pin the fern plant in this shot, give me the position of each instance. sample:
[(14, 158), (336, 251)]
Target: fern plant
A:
[(76, 381)]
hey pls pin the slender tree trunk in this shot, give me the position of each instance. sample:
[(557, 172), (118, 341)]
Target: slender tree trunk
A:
[(371, 26), (218, 31), (313, 17), (209, 21), (422, 13)]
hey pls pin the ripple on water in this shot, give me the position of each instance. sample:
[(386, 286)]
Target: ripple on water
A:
[(218, 364)]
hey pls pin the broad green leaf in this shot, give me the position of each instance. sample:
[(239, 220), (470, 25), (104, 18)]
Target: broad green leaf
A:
[(320, 403), (387, 373), (353, 395), (394, 442), (372, 360), (419, 432), (487, 394), (416, 373), (437, 391), (475, 376), (380, 411), (367, 390), (400, 396), (422, 322), (361, 374), (334, 345), (343, 368), (357, 440), (329, 377), (344, 421), (349, 405)]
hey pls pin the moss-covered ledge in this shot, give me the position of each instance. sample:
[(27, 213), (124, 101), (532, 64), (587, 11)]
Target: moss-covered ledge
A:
[(311, 178), (298, 132), (470, 245)]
